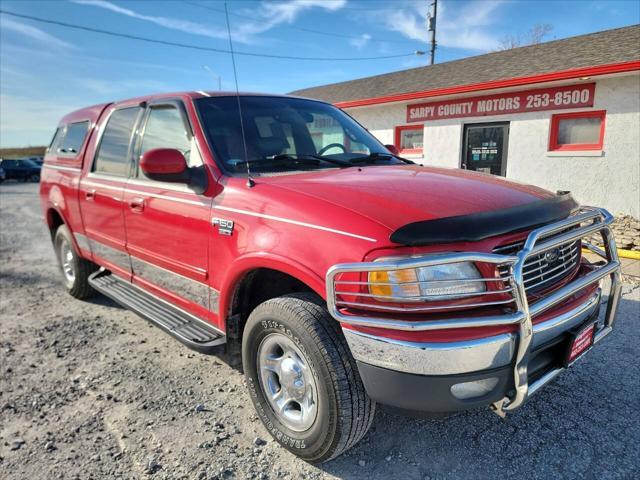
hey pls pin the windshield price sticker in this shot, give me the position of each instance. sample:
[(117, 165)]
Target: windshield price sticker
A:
[(555, 98)]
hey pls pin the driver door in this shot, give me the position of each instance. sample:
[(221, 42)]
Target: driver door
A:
[(167, 224)]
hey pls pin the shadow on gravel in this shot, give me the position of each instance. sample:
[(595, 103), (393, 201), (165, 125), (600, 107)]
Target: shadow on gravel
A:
[(571, 429), (99, 299)]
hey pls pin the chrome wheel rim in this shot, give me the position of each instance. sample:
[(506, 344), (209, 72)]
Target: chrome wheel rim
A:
[(287, 382), (66, 258)]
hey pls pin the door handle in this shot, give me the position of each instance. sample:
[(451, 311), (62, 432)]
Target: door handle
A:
[(90, 194), (136, 204)]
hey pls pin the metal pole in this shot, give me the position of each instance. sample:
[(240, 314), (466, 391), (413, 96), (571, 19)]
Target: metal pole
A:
[(432, 29), (214, 75)]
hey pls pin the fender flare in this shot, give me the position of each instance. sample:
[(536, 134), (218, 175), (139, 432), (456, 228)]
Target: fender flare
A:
[(252, 261), (55, 206)]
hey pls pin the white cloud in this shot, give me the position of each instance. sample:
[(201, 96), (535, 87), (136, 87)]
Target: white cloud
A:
[(268, 15), (272, 14), (361, 41), (457, 27), (33, 33), (172, 23)]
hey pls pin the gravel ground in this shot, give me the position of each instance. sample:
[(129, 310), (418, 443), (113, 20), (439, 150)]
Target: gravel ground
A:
[(89, 390)]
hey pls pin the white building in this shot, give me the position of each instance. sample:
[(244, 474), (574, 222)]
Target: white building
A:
[(563, 115)]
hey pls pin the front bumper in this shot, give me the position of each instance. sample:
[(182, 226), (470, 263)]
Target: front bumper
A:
[(422, 376), (393, 369)]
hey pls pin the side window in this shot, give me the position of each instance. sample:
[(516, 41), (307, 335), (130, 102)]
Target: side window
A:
[(113, 154), (165, 128), (55, 141), (74, 138)]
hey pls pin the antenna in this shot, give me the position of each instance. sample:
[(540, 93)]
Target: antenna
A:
[(250, 182)]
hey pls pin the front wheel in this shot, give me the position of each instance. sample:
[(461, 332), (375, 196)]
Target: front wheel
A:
[(303, 381)]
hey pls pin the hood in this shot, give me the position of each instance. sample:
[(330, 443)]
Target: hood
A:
[(395, 195)]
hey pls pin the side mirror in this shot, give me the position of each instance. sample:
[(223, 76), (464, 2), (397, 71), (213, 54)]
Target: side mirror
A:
[(165, 165), (169, 165), (393, 149)]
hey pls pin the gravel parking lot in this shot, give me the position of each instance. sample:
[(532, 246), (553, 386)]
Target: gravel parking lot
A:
[(89, 390)]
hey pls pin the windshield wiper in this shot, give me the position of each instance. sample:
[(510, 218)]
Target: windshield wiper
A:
[(314, 158), (284, 159), (375, 156)]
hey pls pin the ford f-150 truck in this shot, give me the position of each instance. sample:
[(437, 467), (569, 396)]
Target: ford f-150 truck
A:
[(278, 231)]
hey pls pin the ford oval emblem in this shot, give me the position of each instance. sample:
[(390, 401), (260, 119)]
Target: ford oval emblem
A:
[(552, 255)]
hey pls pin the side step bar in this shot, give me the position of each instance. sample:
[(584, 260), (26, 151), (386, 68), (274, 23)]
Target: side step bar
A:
[(188, 329)]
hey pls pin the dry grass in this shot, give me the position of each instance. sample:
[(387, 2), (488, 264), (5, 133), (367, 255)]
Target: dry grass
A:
[(22, 152)]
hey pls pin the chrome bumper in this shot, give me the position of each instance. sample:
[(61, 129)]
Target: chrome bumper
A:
[(452, 358), (501, 350)]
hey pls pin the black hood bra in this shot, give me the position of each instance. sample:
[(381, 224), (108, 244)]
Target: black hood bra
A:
[(480, 226)]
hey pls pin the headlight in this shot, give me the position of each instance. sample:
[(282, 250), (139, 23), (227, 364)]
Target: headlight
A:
[(437, 282)]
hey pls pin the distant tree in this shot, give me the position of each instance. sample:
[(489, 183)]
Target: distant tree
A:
[(535, 35)]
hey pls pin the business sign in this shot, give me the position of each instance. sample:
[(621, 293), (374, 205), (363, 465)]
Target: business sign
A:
[(554, 98)]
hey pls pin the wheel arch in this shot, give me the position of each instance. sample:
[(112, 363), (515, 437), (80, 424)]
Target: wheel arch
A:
[(256, 278), (54, 219)]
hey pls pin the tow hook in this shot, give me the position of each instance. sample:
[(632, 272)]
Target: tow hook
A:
[(496, 408)]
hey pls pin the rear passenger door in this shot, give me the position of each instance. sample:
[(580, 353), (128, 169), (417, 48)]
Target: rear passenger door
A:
[(167, 224), (102, 190)]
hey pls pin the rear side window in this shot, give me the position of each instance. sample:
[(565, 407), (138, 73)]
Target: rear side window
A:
[(74, 138), (55, 141), (113, 154)]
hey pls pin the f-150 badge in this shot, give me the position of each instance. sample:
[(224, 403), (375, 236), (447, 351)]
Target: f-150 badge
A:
[(225, 227)]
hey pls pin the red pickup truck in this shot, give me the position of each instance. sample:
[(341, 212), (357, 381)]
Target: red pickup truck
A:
[(278, 230)]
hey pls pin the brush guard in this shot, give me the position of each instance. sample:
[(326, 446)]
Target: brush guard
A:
[(580, 226)]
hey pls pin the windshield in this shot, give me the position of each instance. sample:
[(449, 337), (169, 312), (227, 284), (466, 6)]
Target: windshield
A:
[(285, 134)]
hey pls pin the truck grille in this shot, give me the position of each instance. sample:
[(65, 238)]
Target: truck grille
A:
[(544, 269)]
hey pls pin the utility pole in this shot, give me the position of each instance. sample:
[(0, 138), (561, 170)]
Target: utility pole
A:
[(431, 28)]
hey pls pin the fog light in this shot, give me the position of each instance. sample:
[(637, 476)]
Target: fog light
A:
[(478, 388)]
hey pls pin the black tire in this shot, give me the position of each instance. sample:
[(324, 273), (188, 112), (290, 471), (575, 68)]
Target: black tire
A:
[(35, 178), (77, 287), (344, 410)]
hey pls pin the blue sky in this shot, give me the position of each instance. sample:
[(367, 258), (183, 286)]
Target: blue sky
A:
[(48, 70)]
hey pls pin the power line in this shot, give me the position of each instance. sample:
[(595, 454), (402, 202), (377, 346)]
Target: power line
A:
[(197, 47), (301, 29)]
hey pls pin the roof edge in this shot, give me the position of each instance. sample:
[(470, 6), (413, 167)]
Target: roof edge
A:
[(592, 71)]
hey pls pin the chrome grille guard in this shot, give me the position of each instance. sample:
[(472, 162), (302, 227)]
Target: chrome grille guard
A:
[(584, 223)]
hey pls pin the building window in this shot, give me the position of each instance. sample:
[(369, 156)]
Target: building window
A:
[(577, 131), (409, 139)]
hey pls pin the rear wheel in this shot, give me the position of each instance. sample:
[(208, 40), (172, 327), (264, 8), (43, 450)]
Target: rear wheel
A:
[(303, 381), (34, 178), (75, 269)]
